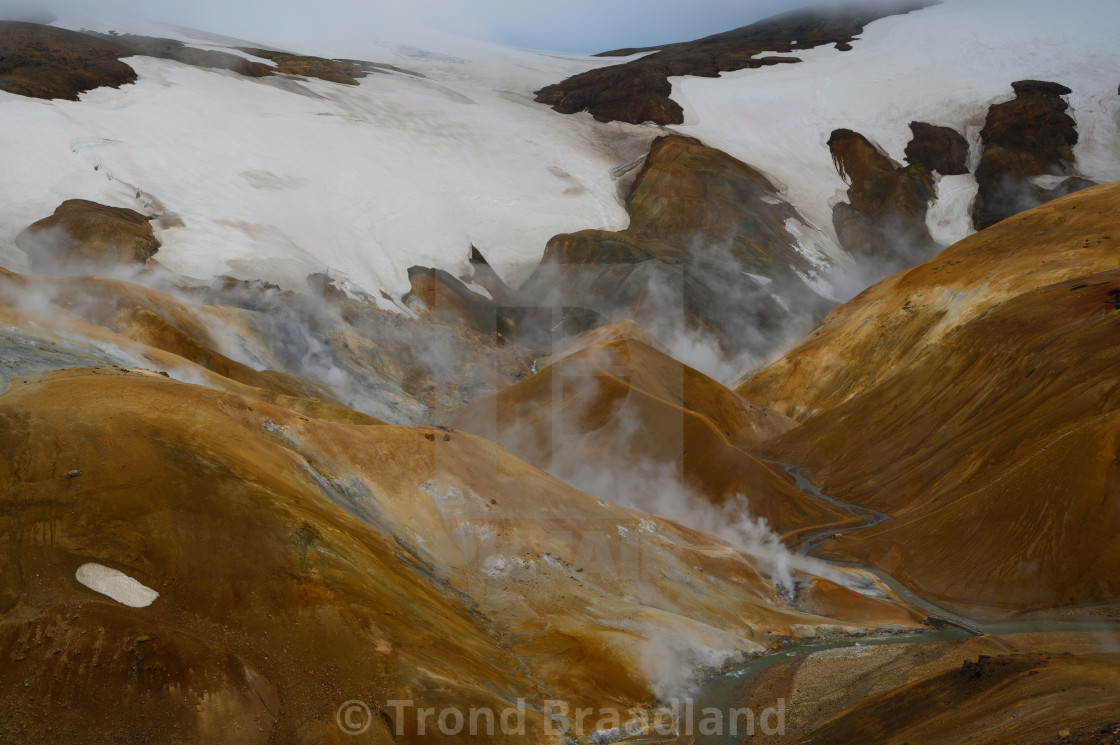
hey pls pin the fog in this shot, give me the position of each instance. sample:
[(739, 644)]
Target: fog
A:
[(573, 26)]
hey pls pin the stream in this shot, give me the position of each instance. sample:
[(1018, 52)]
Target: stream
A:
[(719, 691)]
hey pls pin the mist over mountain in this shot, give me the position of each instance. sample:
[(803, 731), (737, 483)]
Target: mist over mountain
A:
[(368, 375)]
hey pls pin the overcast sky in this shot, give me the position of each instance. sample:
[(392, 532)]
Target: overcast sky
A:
[(558, 25)]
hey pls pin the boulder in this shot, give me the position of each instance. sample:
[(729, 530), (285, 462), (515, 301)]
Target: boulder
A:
[(83, 236), (940, 149)]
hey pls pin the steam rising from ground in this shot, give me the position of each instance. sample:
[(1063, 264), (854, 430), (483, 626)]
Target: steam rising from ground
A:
[(749, 320), (707, 311), (389, 365), (646, 485)]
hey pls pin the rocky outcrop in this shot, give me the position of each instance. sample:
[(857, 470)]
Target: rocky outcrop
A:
[(438, 295), (83, 235), (344, 72), (884, 221), (709, 243), (1107, 735), (483, 275), (942, 150), (638, 91), (46, 62), (710, 249), (1030, 136), (172, 49)]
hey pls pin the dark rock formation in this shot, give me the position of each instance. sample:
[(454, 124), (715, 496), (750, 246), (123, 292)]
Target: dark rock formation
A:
[(171, 49), (976, 670), (1107, 735), (436, 294), (1031, 135), (638, 91), (508, 317), (345, 72), (81, 235), (701, 224), (46, 62), (485, 276), (707, 249), (885, 219), (940, 149)]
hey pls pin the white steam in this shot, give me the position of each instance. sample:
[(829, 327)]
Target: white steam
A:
[(630, 480)]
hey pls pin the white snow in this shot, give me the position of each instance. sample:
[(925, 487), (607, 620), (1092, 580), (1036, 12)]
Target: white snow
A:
[(1047, 181), (275, 179), (117, 585), (944, 65), (950, 217)]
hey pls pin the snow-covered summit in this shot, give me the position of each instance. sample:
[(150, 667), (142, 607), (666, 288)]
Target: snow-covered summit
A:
[(276, 178)]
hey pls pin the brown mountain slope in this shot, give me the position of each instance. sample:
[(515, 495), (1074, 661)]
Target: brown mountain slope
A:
[(982, 416), (301, 563), (1031, 688), (622, 405), (893, 324), (998, 699)]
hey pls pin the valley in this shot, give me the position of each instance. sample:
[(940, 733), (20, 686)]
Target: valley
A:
[(757, 388)]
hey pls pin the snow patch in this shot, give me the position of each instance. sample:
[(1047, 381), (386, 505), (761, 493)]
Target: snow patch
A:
[(1047, 180), (117, 585), (950, 216), (497, 565)]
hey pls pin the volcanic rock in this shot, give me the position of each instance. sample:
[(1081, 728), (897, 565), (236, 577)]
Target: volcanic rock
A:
[(708, 246), (940, 149), (47, 62), (884, 222), (301, 564), (638, 91), (483, 274), (622, 405), (1029, 136), (82, 235), (437, 294)]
